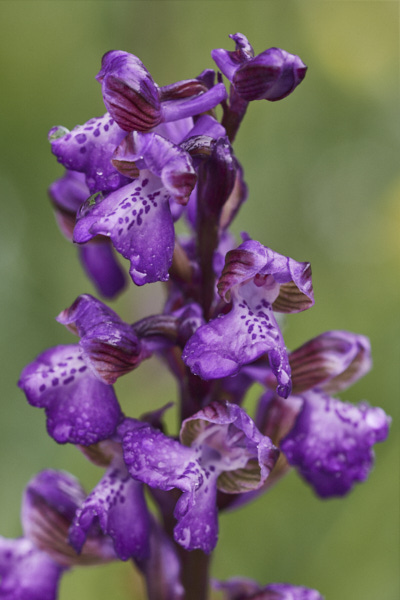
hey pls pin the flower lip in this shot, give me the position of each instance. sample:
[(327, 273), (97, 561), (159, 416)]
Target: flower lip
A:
[(331, 442)]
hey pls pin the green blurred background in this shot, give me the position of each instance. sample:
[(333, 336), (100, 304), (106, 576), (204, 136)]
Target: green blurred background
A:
[(323, 172)]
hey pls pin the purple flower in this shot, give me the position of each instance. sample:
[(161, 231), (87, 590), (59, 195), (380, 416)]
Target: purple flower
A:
[(223, 450), (27, 573), (246, 589), (137, 103), (137, 217), (331, 442), (271, 75), (256, 280), (80, 409)]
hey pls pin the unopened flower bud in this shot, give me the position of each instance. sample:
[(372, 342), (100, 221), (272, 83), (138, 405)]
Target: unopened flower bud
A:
[(272, 75), (129, 92)]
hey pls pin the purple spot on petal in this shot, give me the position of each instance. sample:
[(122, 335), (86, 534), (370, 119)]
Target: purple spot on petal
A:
[(42, 388), (96, 133), (81, 138), (68, 380), (82, 150)]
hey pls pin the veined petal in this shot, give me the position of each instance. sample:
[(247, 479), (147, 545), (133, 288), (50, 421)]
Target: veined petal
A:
[(271, 75), (331, 442), (252, 259), (50, 502), (331, 361), (117, 504), (129, 92), (88, 149), (138, 220), (110, 347), (80, 409), (231, 446)]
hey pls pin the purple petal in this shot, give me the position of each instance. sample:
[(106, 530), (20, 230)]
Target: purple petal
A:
[(230, 446), (67, 195), (161, 462), (332, 361), (229, 61), (129, 92), (174, 110), (88, 149), (206, 125), (80, 409), (155, 459), (175, 131), (162, 569), (117, 503), (249, 330), (253, 260), (50, 502), (197, 516), (27, 573), (110, 347), (239, 588), (102, 267), (331, 442), (138, 220), (272, 75), (163, 158)]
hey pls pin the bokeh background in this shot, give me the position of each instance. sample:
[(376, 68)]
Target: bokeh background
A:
[(323, 172)]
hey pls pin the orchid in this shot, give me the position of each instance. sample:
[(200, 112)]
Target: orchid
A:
[(160, 156)]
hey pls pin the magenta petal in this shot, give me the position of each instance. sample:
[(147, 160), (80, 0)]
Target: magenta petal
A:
[(138, 220), (331, 442), (117, 503), (80, 409)]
